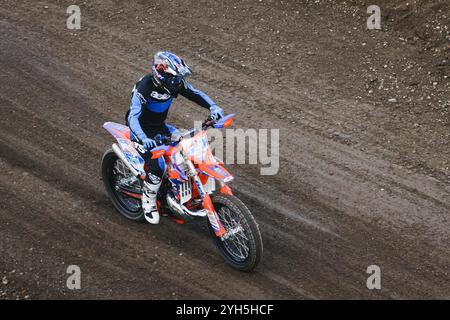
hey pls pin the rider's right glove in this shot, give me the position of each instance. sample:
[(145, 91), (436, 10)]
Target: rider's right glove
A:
[(216, 112), (148, 143)]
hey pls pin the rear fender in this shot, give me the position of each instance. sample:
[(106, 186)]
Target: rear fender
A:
[(117, 130), (122, 135)]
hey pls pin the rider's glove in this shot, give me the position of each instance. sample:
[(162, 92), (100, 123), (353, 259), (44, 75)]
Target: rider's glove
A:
[(216, 112), (148, 143)]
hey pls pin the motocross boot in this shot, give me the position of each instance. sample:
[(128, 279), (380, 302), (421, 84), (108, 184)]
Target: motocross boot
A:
[(149, 193)]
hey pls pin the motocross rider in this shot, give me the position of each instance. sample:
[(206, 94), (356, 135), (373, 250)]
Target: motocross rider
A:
[(150, 101)]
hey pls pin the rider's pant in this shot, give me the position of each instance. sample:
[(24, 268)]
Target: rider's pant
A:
[(155, 166)]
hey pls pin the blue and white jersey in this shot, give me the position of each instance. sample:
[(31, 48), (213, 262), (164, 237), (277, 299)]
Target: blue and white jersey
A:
[(150, 105)]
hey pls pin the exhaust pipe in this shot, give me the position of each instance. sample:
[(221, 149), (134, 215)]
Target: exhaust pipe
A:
[(181, 210), (121, 156)]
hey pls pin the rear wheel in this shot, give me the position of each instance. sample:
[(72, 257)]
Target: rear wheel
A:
[(242, 246), (115, 175)]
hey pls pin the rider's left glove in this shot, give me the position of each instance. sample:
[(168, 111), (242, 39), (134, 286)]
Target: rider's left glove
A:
[(149, 143), (216, 112)]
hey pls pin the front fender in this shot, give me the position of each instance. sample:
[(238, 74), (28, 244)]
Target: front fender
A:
[(215, 171)]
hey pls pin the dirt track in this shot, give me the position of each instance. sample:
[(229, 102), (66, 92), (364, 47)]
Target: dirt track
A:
[(362, 180)]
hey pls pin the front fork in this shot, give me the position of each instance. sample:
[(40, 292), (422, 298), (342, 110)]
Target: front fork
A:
[(213, 218)]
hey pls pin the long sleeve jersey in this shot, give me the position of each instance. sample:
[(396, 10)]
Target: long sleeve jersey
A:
[(150, 104)]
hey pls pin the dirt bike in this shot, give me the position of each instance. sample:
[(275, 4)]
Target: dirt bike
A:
[(188, 188)]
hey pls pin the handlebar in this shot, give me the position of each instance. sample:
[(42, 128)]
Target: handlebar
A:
[(208, 123), (160, 139)]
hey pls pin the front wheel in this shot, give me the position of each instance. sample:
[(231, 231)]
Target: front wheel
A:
[(242, 245)]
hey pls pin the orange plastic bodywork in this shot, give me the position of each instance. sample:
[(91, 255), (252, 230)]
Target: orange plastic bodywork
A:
[(208, 169), (203, 177), (195, 192), (173, 174), (122, 134), (228, 123), (170, 151), (208, 205), (158, 154), (226, 190)]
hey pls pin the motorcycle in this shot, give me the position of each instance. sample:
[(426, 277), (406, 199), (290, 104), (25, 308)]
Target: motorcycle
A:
[(188, 188)]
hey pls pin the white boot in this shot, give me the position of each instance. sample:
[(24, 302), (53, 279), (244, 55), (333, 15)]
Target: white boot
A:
[(149, 193)]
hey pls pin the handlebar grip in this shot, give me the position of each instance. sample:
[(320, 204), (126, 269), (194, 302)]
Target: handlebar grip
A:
[(160, 139), (209, 122)]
